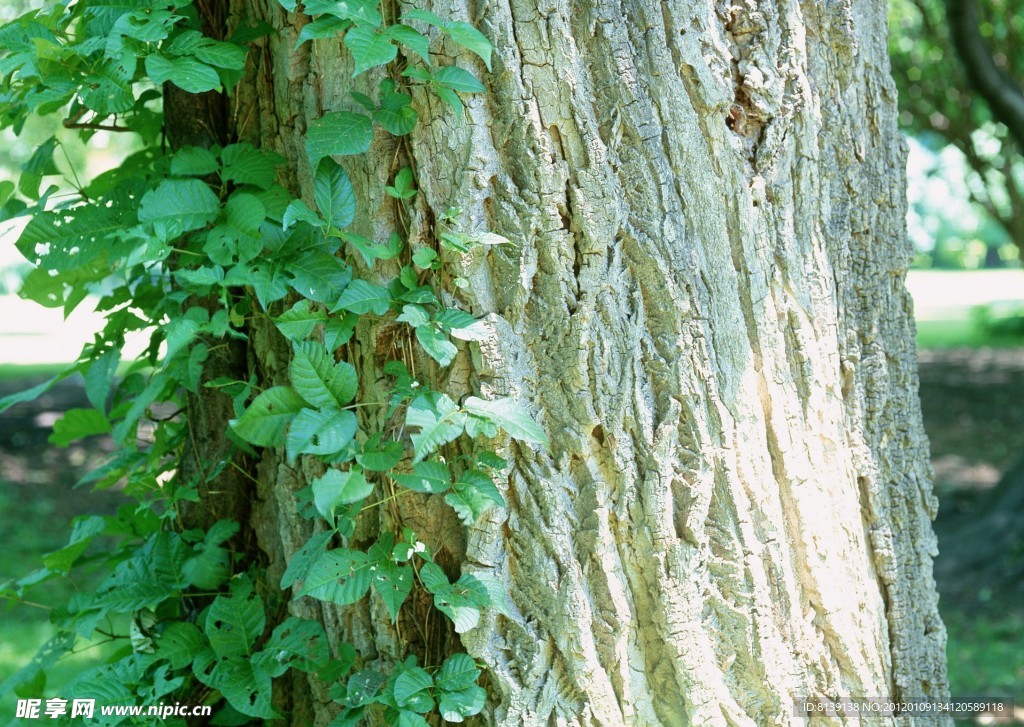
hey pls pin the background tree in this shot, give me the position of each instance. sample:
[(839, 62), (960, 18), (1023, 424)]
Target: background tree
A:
[(701, 301), (958, 70)]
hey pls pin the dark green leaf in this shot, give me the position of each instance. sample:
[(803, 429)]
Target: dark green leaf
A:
[(338, 134), (411, 39), (300, 320), (458, 79), (412, 684), (186, 73), (303, 560), (336, 488), (333, 193), (363, 297), (369, 48), (235, 621), (267, 418), (318, 379), (177, 206), (340, 576), (325, 27), (436, 344), (430, 476), (319, 432)]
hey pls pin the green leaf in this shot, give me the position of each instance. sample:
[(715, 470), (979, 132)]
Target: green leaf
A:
[(424, 16), (299, 322), (244, 164), (458, 672), (482, 484), (99, 378), (336, 488), (369, 48), (267, 418), (76, 424), (325, 27), (363, 12), (396, 113), (319, 276), (411, 39), (436, 344), (221, 54), (333, 193), (403, 189), (303, 560), (378, 457), (510, 416), (430, 476), (339, 330), (458, 79), (318, 379), (234, 622), (456, 706), (363, 297), (340, 133), (412, 686), (246, 686), (438, 420), (373, 251), (297, 211), (452, 99), (297, 643), (340, 576), (186, 73), (363, 687), (177, 206), (179, 644), (424, 258), (209, 568), (469, 504), (321, 433), (414, 315), (393, 583), (471, 39)]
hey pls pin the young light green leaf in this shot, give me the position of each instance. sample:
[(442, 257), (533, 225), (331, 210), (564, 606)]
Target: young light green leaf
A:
[(339, 133), (436, 344), (336, 488), (369, 48), (267, 418), (424, 258), (333, 193), (510, 416), (321, 433), (438, 421), (471, 39), (363, 297), (318, 379)]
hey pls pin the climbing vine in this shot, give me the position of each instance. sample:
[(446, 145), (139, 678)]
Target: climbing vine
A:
[(190, 245)]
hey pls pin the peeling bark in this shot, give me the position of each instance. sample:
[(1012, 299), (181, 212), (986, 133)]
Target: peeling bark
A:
[(704, 306)]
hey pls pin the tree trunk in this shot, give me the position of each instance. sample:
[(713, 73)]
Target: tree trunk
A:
[(704, 307)]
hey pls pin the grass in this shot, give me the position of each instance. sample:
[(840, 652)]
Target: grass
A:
[(986, 655), (962, 333)]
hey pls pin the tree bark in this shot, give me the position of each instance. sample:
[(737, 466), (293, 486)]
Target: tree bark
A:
[(704, 306)]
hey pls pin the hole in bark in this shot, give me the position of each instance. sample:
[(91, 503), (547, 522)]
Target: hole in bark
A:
[(598, 434)]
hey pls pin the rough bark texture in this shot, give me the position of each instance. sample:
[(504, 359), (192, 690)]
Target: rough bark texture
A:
[(704, 306)]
